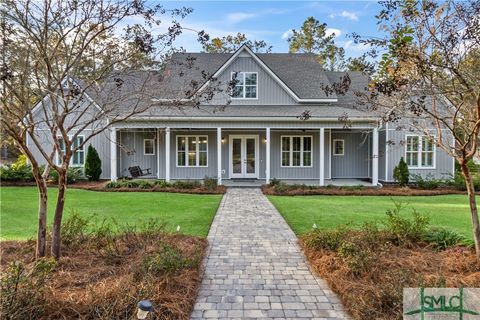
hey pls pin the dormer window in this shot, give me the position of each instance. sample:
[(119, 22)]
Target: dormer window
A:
[(245, 86)]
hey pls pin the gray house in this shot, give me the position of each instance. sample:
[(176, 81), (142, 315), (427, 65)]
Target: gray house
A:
[(261, 134)]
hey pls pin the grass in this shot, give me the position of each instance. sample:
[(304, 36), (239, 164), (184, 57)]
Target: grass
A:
[(194, 213), (327, 212)]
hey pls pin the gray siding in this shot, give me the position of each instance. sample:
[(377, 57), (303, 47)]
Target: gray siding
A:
[(356, 161), (444, 163), (269, 92), (130, 151)]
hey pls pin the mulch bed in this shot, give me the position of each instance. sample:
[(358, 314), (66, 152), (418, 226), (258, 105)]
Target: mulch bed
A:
[(100, 186), (377, 294), (367, 191), (91, 282)]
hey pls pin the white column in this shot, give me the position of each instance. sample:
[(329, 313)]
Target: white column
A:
[(167, 154), (219, 156), (113, 154), (375, 157), (267, 157), (158, 153), (322, 156)]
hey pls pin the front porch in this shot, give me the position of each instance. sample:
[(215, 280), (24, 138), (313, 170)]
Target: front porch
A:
[(238, 156)]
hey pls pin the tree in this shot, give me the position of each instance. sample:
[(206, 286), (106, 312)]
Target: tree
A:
[(401, 173), (231, 43), (429, 77), (360, 64), (313, 38), (93, 164), (61, 54)]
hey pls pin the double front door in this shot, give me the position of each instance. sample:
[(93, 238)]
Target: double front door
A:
[(243, 156)]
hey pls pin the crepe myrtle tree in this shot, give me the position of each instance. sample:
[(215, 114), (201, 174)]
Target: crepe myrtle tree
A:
[(429, 77), (67, 70)]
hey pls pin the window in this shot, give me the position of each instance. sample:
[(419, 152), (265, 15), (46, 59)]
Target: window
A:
[(296, 151), (78, 158), (192, 151), (246, 85), (338, 147), (420, 152), (148, 147)]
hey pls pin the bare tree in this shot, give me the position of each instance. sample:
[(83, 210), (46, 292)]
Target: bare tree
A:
[(429, 77), (89, 64)]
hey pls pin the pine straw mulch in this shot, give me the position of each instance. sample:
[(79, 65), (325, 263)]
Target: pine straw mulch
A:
[(93, 282), (377, 294), (366, 191)]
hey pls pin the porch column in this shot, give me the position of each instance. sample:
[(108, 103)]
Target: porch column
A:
[(219, 156), (158, 153), (375, 157), (322, 156), (267, 157), (113, 154), (167, 154)]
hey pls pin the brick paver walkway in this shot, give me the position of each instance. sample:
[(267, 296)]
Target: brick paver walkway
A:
[(255, 269)]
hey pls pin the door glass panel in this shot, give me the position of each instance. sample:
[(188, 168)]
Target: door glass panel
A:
[(237, 155), (250, 145)]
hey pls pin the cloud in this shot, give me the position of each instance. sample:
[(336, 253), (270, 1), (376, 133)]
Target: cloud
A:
[(287, 34), (331, 31), (345, 14), (237, 17), (352, 46)]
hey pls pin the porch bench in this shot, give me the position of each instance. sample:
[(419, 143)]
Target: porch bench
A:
[(136, 172)]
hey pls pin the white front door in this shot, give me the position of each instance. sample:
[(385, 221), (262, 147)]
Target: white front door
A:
[(243, 156)]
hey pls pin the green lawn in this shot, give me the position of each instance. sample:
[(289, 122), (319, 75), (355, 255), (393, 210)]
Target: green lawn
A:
[(301, 212), (194, 213)]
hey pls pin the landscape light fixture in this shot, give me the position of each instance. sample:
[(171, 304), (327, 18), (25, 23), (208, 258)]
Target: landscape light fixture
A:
[(143, 308)]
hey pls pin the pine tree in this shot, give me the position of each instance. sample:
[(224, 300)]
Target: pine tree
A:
[(93, 164), (401, 173)]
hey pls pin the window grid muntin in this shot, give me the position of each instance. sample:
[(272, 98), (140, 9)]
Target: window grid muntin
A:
[(189, 151), (240, 88), (289, 150)]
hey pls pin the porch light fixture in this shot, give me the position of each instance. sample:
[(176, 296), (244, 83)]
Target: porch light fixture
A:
[(223, 139), (265, 140), (143, 309)]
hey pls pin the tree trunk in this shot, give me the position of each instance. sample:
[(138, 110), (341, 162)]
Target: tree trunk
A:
[(57, 219), (42, 219), (473, 206)]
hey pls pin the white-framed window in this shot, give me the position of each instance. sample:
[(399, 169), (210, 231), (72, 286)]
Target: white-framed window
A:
[(192, 151), (420, 152), (296, 151), (338, 147), (78, 158), (148, 147), (246, 85)]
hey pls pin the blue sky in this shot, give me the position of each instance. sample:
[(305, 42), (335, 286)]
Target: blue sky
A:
[(272, 20)]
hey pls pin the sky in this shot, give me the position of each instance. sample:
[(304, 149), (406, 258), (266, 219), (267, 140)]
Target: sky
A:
[(272, 20)]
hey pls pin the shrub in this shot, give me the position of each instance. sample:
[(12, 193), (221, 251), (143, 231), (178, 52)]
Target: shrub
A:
[(161, 184), (188, 185), (401, 173), (17, 171), (325, 239), (428, 183), (74, 174), (168, 260), (403, 230), (281, 187), (113, 185), (441, 238), (143, 184), (274, 182), (74, 229), (210, 183), (93, 164), (357, 258)]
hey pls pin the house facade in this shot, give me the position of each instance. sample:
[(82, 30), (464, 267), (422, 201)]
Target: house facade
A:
[(277, 123)]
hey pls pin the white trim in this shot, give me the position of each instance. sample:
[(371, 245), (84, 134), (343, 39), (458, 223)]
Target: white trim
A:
[(197, 150), (158, 153), (291, 150), (375, 157), (113, 154), (167, 154), (343, 147), (386, 151), (266, 68), (253, 119), (245, 85), (322, 156), (330, 153), (71, 164), (145, 149), (420, 151), (219, 156), (243, 139), (267, 156)]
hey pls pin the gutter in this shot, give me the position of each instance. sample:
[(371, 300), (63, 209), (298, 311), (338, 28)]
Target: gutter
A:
[(292, 119)]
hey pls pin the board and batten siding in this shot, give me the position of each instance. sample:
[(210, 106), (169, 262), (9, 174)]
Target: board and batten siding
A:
[(356, 161), (130, 151), (269, 92), (444, 163)]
